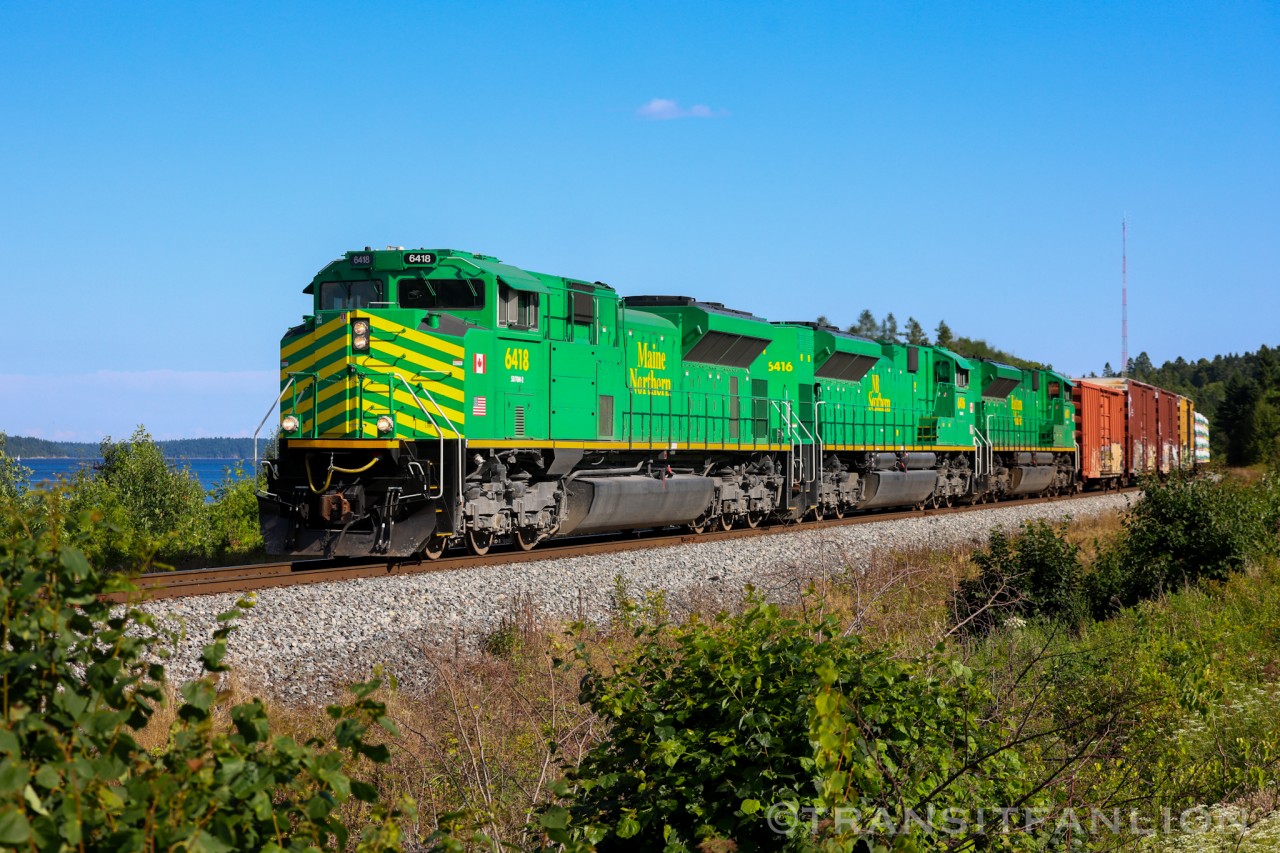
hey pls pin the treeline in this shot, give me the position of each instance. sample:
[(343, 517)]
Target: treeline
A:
[(1240, 394), (913, 334), (180, 448)]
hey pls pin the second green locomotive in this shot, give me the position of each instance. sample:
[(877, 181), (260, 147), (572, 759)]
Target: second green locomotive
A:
[(436, 398)]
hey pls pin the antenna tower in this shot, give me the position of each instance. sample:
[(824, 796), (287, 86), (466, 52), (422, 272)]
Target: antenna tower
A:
[(1124, 296)]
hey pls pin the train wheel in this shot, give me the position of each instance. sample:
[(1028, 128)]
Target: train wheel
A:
[(526, 539), (753, 519), (726, 522), (433, 548), (838, 512), (478, 542), (699, 524)]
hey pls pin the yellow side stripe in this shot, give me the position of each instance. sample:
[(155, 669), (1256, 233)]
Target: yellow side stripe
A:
[(340, 444), (618, 445)]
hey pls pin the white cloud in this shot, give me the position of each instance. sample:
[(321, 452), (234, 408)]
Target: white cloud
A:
[(664, 109)]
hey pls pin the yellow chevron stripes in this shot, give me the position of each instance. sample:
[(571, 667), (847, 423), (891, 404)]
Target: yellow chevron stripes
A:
[(382, 350), (304, 365), (346, 407), (436, 387), (403, 419), (420, 338), (316, 334)]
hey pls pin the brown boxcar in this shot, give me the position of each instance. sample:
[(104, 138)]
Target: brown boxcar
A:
[(1100, 432), (1143, 429), (1142, 425)]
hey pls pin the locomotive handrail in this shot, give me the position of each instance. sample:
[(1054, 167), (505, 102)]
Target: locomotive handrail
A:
[(261, 423), (439, 433)]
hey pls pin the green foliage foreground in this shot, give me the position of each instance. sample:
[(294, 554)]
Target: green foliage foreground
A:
[(149, 508), (778, 733), (79, 678)]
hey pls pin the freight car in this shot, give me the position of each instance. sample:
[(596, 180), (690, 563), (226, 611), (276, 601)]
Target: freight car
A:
[(436, 398), (1130, 429)]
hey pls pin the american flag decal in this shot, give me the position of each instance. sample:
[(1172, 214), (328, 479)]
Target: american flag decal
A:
[(477, 406)]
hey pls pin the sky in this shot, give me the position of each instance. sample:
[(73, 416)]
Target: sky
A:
[(172, 175)]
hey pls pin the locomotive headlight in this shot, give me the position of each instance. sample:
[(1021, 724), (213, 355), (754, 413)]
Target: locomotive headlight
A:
[(289, 424), (385, 424), (360, 335)]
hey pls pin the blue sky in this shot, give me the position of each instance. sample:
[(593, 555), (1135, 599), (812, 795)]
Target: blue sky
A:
[(171, 175)]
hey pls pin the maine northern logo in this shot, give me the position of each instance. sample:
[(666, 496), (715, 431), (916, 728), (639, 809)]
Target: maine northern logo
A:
[(875, 399), (649, 384)]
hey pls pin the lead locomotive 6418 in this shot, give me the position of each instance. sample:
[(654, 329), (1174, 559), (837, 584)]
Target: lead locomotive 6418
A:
[(437, 398)]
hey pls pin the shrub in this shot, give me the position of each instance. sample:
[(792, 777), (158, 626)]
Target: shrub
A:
[(1184, 530), (1035, 572), (81, 677), (233, 515), (148, 507), (717, 732), (14, 476)]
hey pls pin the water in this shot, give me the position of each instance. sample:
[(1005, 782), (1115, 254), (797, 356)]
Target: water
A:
[(209, 472)]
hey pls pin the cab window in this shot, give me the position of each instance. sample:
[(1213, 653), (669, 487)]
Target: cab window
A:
[(517, 309), (444, 294), (348, 295)]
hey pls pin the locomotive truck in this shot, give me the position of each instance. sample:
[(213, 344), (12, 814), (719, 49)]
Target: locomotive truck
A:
[(440, 398)]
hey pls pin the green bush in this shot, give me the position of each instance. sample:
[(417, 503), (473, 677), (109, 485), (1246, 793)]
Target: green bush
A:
[(81, 677), (148, 507), (233, 515), (1035, 572), (14, 476), (1184, 530), (731, 731)]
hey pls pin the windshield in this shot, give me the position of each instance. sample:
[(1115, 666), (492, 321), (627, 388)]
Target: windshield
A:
[(346, 295), (442, 294)]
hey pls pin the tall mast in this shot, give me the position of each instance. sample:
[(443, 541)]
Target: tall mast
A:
[(1124, 296)]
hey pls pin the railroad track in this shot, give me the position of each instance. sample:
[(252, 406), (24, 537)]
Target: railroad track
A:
[(237, 579)]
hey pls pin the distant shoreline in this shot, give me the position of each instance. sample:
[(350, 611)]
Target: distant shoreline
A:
[(28, 447), (96, 458)]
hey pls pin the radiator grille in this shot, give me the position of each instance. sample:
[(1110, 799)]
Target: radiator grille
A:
[(519, 422)]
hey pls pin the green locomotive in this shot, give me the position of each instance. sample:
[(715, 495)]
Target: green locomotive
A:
[(437, 398)]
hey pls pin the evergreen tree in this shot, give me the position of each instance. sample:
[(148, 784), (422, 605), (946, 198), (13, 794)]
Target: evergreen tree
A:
[(915, 333), (943, 334), (1236, 418), (866, 325), (823, 321), (1107, 370), (889, 328)]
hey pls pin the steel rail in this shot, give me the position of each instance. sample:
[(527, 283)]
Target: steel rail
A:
[(238, 579)]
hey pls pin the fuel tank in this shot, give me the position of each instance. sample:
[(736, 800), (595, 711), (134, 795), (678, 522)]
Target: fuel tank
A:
[(1026, 480), (618, 503), (897, 488)]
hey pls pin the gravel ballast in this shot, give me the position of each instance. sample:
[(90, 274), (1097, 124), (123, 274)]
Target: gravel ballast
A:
[(303, 644)]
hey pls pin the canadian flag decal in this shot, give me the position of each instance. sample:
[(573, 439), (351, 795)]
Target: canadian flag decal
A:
[(479, 362)]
